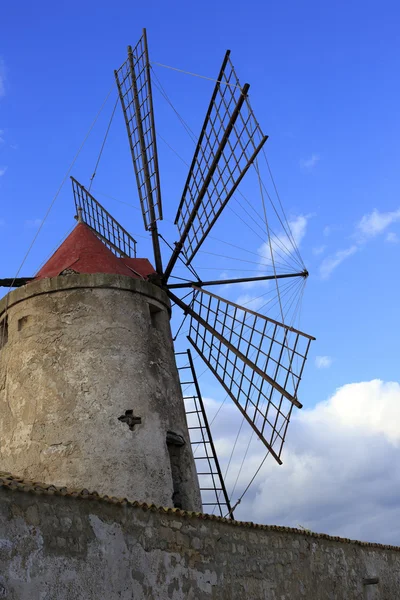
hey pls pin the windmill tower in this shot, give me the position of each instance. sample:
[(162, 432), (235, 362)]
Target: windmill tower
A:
[(90, 394), (91, 397)]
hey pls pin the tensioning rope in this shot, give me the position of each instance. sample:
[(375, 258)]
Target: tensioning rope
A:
[(103, 144), (53, 202), (281, 205), (294, 294), (234, 85), (286, 228)]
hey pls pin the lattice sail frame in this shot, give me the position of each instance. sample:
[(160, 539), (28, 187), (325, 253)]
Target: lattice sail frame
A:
[(211, 482), (134, 87), (111, 233), (258, 361), (228, 144)]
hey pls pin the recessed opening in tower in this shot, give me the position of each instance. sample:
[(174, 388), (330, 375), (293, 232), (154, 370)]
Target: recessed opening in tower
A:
[(3, 332), (22, 322), (174, 444), (155, 315)]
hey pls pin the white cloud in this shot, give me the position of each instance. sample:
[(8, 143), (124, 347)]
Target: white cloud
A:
[(341, 471), (281, 243), (376, 222), (32, 222), (309, 163), (327, 231), (319, 250), (330, 263), (323, 362), (298, 227), (3, 169), (369, 226), (250, 302), (392, 238), (283, 251)]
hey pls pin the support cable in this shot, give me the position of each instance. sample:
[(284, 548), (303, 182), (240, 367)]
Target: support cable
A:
[(252, 479), (162, 91), (103, 144), (281, 205), (251, 437), (238, 270), (253, 262), (54, 200), (173, 150), (268, 235), (194, 139), (235, 85), (290, 302), (191, 134), (289, 266), (281, 247), (190, 267), (181, 278), (56, 247), (238, 247)]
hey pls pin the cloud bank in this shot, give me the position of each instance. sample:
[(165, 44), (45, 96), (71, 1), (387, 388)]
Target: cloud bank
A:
[(341, 471)]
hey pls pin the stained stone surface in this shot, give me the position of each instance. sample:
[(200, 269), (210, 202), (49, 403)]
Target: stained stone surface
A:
[(83, 350), (73, 549)]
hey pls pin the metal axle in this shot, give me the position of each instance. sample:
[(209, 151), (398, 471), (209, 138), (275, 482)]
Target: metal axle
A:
[(15, 282), (175, 286)]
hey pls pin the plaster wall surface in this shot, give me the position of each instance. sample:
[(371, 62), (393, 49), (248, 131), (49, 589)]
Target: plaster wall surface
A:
[(81, 351), (65, 548)]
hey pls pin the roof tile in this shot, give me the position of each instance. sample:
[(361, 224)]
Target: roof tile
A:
[(12, 482)]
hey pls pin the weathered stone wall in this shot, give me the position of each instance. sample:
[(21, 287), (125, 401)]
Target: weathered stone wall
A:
[(65, 548), (81, 351)]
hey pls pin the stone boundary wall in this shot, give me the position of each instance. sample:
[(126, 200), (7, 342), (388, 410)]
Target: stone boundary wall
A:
[(58, 544)]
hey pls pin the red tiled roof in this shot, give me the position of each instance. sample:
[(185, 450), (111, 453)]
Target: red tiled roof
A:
[(83, 252)]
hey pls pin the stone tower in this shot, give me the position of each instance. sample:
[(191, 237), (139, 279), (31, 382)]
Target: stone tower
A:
[(89, 390)]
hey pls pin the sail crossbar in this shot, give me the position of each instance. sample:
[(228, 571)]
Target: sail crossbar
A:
[(258, 361), (134, 87), (229, 142), (99, 220)]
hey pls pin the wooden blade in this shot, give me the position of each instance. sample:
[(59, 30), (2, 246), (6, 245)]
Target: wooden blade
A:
[(258, 361), (228, 144), (134, 87), (111, 233), (212, 487)]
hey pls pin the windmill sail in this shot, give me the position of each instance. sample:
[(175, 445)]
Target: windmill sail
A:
[(258, 361), (134, 87), (228, 144), (91, 212), (212, 487)]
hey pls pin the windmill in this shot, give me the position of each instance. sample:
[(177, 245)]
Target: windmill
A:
[(257, 360)]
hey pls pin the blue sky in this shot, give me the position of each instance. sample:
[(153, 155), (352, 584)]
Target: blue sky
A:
[(324, 86)]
